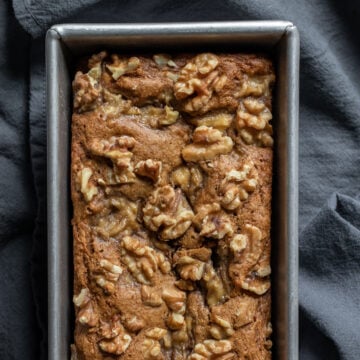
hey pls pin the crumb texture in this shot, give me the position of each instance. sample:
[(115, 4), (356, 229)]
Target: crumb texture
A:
[(171, 186)]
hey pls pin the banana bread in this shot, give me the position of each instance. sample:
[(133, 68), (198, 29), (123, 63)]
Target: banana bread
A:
[(171, 186)]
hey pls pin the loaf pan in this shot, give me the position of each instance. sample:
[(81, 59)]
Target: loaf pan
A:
[(65, 43)]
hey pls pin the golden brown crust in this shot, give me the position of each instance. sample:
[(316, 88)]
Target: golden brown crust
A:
[(171, 185)]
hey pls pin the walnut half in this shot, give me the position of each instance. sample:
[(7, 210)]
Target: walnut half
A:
[(211, 350), (167, 212), (207, 144), (253, 122), (247, 271)]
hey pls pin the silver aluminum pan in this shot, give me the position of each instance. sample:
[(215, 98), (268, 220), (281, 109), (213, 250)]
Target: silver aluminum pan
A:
[(65, 42)]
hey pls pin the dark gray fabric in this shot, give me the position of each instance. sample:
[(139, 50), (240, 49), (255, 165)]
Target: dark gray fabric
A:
[(329, 151), (19, 332)]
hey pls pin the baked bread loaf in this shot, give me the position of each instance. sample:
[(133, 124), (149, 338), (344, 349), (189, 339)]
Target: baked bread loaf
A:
[(171, 186)]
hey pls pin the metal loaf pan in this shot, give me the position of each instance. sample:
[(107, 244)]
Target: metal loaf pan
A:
[(64, 43)]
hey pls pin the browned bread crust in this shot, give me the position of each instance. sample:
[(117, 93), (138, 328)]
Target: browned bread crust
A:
[(171, 185)]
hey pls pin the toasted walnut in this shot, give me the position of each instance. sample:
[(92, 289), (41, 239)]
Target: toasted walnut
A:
[(123, 220), (156, 333), (255, 85), (115, 104), (149, 168), (253, 122), (175, 321), (190, 268), (212, 223), (86, 314), (207, 144), (246, 271), (214, 286), (117, 150), (171, 116), (204, 211), (86, 92), (135, 324), (142, 260), (190, 264), (180, 336), (219, 121), (221, 328), (151, 350), (174, 299), (163, 60), (211, 350), (120, 66), (151, 347), (216, 226), (238, 243), (109, 275), (86, 187), (168, 213), (237, 185), (150, 296), (189, 179), (83, 298), (200, 78), (117, 345), (115, 339)]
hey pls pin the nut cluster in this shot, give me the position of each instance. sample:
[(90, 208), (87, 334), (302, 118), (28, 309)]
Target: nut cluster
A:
[(167, 212), (237, 185), (198, 80), (142, 261), (253, 122), (108, 276), (247, 271), (115, 339), (207, 144), (211, 350)]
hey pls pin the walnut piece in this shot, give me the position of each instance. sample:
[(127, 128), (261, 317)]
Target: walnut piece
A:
[(151, 346), (246, 271), (149, 168), (150, 296), (174, 299), (211, 350), (142, 260), (109, 275), (212, 223), (123, 220), (86, 315), (219, 121), (221, 328), (237, 185), (215, 291), (253, 122), (207, 144), (189, 179), (167, 212), (88, 189), (120, 66), (198, 80), (117, 150), (190, 264), (115, 338), (134, 324), (171, 116), (255, 85), (86, 92)]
